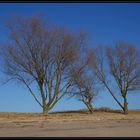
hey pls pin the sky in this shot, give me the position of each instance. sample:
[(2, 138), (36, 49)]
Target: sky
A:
[(105, 23)]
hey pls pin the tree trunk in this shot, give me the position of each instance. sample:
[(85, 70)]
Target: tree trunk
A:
[(45, 110), (125, 109), (113, 95), (90, 107), (45, 107)]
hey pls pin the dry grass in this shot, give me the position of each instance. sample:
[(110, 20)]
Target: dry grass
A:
[(98, 114), (103, 122)]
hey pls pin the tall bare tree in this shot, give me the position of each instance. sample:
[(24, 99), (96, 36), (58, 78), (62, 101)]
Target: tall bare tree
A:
[(99, 65), (119, 64), (40, 55), (124, 64)]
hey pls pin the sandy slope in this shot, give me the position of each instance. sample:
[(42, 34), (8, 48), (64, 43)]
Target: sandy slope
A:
[(70, 124)]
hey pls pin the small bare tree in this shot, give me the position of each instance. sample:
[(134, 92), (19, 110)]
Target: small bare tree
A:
[(39, 55), (83, 83), (119, 64)]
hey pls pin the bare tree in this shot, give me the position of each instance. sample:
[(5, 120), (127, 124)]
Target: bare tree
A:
[(125, 68), (98, 63), (40, 55), (119, 64), (83, 82)]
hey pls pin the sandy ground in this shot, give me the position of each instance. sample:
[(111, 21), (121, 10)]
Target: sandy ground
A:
[(98, 124)]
